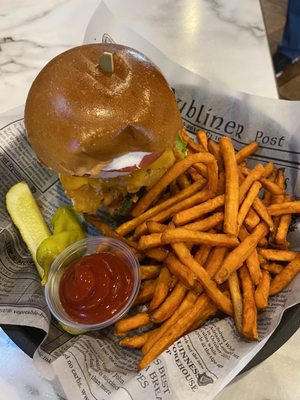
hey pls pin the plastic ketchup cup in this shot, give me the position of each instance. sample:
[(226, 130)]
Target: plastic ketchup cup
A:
[(92, 283)]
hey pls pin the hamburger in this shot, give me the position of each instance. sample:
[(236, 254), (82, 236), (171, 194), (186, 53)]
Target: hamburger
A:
[(107, 133)]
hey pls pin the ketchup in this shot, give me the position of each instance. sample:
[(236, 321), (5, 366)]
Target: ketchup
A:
[(96, 287)]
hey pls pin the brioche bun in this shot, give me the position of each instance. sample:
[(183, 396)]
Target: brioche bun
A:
[(79, 119)]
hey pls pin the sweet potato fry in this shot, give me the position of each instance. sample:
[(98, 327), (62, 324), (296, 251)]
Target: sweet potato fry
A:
[(263, 242), (269, 169), (173, 282), (106, 230), (253, 266), (247, 203), (237, 301), (183, 181), (185, 136), (150, 241), (262, 212), (271, 186), (127, 324), (261, 294), (195, 147), (289, 207), (146, 292), (280, 181), (221, 183), (210, 311), (267, 196), (201, 169), (171, 303), (141, 230), (212, 175), (278, 255), (161, 289), (202, 254), (261, 259), (282, 230), (283, 227), (138, 341), (278, 199), (190, 214), (215, 260), (206, 224), (252, 219), (155, 227), (246, 152), (184, 307), (237, 257), (197, 198), (183, 273), (194, 237), (130, 225), (252, 260), (176, 330), (174, 189), (194, 174), (273, 268), (253, 176), (221, 301), (157, 254), (249, 327), (149, 271), (172, 173), (284, 277), (202, 137), (214, 148), (231, 202)]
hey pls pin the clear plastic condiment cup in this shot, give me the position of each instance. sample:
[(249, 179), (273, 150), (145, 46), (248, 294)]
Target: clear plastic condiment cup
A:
[(77, 251)]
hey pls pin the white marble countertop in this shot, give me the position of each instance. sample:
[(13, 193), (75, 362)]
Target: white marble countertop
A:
[(223, 41)]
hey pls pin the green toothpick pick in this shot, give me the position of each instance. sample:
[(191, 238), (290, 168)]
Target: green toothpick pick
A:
[(106, 62)]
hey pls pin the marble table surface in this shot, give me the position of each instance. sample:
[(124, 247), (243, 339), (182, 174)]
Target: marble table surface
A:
[(223, 41)]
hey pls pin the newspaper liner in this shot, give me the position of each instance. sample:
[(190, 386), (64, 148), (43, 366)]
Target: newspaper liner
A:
[(94, 366)]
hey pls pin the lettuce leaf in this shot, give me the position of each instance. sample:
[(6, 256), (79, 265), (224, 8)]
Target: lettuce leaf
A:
[(181, 145)]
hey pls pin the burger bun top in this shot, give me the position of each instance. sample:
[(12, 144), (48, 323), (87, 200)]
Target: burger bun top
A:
[(79, 118)]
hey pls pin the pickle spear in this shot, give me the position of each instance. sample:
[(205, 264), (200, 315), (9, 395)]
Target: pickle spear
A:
[(28, 218)]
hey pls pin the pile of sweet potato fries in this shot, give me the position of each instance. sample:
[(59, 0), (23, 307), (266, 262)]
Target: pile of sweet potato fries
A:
[(211, 237)]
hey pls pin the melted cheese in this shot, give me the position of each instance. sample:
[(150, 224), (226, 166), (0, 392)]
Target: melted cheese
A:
[(88, 194)]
